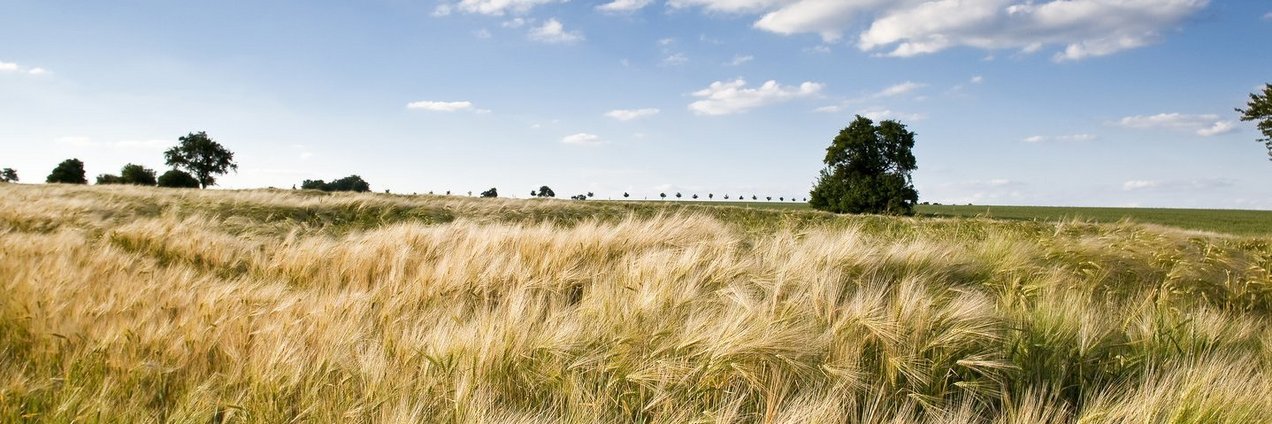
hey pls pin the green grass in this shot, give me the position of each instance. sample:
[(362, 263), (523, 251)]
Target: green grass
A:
[(1238, 222)]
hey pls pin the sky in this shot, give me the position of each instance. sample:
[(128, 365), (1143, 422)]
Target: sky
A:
[(1014, 102)]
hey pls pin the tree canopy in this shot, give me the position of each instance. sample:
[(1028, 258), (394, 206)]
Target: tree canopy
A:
[(351, 183), (544, 191), (137, 175), (8, 175), (203, 157), (1260, 109), (490, 193), (868, 170), (70, 171), (176, 178)]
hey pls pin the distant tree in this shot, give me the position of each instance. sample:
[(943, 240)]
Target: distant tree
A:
[(448, 192), (663, 195), (710, 196), (726, 197), (544, 191), (677, 195), (625, 195), (754, 198), (579, 197), (1260, 109), (176, 178), (8, 175), (490, 193), (470, 194), (203, 157), (868, 170), (590, 195), (137, 175), (70, 171), (695, 196), (768, 198), (781, 199), (107, 179), (352, 183)]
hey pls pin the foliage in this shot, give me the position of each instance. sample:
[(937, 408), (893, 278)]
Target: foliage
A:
[(544, 191), (868, 170), (106, 179), (1260, 109), (137, 175), (8, 175), (490, 193), (352, 183), (70, 171), (202, 157), (176, 178)]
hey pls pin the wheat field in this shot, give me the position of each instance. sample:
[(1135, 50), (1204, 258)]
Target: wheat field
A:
[(142, 305)]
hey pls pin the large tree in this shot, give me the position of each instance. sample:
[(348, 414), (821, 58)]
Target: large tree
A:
[(868, 170), (1260, 109), (203, 157), (70, 171), (138, 175)]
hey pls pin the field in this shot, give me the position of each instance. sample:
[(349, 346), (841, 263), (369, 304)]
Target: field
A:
[(1242, 222), (124, 304)]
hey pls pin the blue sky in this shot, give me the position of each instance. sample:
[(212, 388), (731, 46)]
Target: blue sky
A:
[(1078, 102)]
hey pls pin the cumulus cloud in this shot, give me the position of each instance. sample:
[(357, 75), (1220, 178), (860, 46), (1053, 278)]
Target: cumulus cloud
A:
[(1060, 138), (621, 6), (725, 98), (8, 67), (630, 114), (582, 139), (433, 106), (899, 89), (1206, 125), (879, 113), (490, 7), (553, 32), (1078, 28), (977, 79)]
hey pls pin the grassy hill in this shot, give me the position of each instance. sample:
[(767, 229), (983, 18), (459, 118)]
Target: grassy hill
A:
[(124, 304)]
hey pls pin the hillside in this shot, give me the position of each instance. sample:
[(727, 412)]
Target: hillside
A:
[(122, 304)]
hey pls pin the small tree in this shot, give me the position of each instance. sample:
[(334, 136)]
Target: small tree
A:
[(677, 195), (176, 178), (106, 179), (70, 171), (202, 156), (490, 193), (726, 197), (1260, 109), (768, 198), (590, 195), (352, 183), (137, 175), (868, 170), (8, 175), (625, 195), (544, 191), (695, 197), (710, 196), (753, 197), (663, 195)]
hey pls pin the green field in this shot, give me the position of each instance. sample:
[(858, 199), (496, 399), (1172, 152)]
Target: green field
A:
[(1240, 222)]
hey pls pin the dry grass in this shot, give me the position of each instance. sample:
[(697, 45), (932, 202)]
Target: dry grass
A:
[(146, 305)]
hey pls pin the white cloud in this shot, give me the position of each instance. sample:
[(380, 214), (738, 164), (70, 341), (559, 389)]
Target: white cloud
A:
[(725, 98), (8, 67), (900, 89), (77, 141), (630, 114), (491, 7), (739, 60), (881, 113), (675, 59), (1267, 16), (977, 79), (620, 6), (514, 23), (14, 67), (830, 109), (37, 71), (1060, 138), (554, 32), (1204, 125), (1079, 28), (433, 106), (583, 139), (1201, 184)]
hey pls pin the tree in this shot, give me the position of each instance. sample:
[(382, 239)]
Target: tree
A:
[(105, 179), (677, 195), (868, 170), (590, 195), (625, 195), (8, 175), (137, 175), (769, 198), (695, 197), (70, 171), (754, 198), (490, 193), (710, 195), (544, 191), (176, 178), (663, 195), (203, 157), (351, 183), (1260, 109)]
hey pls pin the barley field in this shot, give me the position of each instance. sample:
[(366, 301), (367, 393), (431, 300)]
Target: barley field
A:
[(142, 305)]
